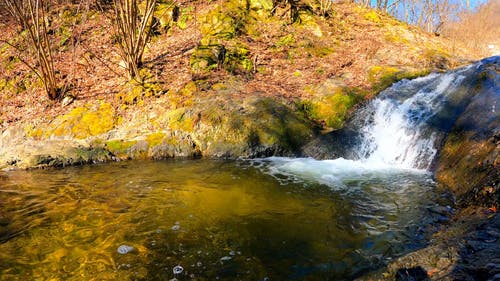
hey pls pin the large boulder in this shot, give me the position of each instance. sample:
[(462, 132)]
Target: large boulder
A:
[(468, 163)]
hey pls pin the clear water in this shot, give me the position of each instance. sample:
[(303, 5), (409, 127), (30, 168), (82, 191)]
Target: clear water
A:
[(278, 218)]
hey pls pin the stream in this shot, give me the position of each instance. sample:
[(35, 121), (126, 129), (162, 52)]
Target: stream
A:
[(216, 220)]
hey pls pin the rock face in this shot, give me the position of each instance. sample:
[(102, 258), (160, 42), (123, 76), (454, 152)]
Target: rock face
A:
[(468, 163), (254, 127)]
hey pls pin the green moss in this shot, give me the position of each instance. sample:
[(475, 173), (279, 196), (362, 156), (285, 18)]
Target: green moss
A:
[(332, 109), (119, 146), (218, 23), (287, 40), (83, 122), (238, 60)]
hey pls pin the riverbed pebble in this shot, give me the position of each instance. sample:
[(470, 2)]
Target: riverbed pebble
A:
[(124, 249), (178, 269)]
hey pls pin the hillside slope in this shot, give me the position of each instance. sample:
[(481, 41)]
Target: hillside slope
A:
[(225, 79)]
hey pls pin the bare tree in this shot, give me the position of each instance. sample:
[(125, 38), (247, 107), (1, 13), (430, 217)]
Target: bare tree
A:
[(31, 16), (134, 31)]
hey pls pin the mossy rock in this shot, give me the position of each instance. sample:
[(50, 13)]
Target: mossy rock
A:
[(381, 77), (330, 104), (307, 20), (84, 122), (207, 58), (469, 160), (186, 14), (437, 58), (217, 23), (260, 9), (257, 127), (167, 14), (120, 148), (238, 60)]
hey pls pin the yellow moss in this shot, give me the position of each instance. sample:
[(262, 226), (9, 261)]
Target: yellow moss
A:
[(377, 72), (219, 86), (260, 9), (135, 92), (307, 20), (186, 15), (217, 23), (372, 16), (33, 132), (285, 41), (382, 77), (83, 122), (3, 84), (395, 37), (119, 147), (185, 96), (155, 139), (180, 119), (437, 57), (164, 12)]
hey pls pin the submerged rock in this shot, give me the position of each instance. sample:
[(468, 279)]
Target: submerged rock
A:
[(124, 249)]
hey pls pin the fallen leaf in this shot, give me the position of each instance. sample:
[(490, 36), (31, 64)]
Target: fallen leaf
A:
[(432, 271)]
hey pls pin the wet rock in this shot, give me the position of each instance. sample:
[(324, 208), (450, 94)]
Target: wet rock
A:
[(468, 162), (411, 274), (459, 252), (125, 249), (178, 269)]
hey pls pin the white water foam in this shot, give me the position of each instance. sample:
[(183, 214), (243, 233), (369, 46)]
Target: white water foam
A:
[(336, 173)]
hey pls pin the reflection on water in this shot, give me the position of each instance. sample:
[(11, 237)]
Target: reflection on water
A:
[(204, 220)]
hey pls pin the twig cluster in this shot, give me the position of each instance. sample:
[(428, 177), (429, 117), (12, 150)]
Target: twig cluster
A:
[(134, 32), (31, 16)]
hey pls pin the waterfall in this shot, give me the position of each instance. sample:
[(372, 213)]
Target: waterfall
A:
[(405, 125), (398, 126), (400, 131)]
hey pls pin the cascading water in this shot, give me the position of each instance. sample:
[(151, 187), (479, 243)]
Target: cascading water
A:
[(399, 126), (400, 130)]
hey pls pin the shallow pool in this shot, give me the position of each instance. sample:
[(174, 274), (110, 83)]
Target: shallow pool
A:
[(278, 218)]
